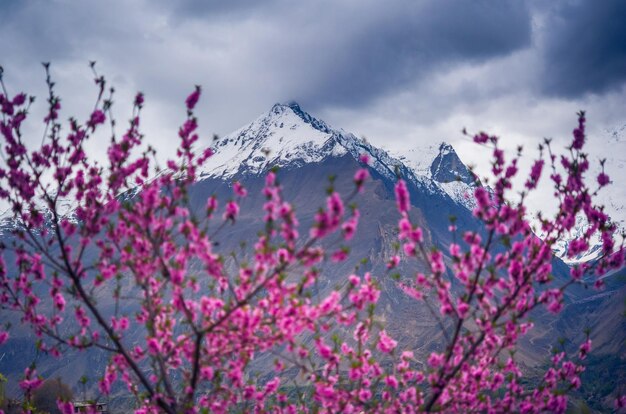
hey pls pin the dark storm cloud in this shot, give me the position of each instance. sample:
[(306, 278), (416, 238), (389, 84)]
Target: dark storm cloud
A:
[(585, 47), (33, 31), (361, 50), (418, 38), (205, 9), (397, 71), (326, 54)]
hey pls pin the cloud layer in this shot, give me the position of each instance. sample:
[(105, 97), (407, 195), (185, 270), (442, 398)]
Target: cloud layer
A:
[(402, 72)]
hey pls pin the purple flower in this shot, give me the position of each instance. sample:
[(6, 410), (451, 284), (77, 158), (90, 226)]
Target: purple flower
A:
[(603, 179), (192, 99), (402, 196), (97, 117)]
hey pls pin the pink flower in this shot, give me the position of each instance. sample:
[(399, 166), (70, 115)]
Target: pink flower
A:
[(360, 177), (584, 349), (139, 99), (435, 360), (19, 99), (409, 249), (579, 133), (97, 118), (31, 381), (335, 205), (272, 385), (324, 350), (385, 342), (66, 407), (391, 382), (402, 196), (436, 262), (59, 301), (192, 99), (232, 210), (393, 262), (350, 226), (535, 174), (416, 235), (481, 138), (153, 346), (207, 373), (603, 179), (239, 189), (365, 394), (340, 255), (462, 308)]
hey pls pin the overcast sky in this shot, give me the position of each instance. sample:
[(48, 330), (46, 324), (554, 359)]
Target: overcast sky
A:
[(401, 73)]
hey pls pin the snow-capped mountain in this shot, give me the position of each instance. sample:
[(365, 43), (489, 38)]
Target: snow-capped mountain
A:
[(615, 166), (65, 208), (595, 244), (285, 135), (611, 197), (442, 164), (288, 136)]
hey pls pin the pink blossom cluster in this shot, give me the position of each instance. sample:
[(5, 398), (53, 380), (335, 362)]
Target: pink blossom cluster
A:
[(204, 320)]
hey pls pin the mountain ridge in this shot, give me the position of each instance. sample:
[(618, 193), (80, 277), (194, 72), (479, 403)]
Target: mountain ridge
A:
[(288, 136)]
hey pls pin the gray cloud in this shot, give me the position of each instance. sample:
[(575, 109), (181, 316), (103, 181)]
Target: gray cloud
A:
[(415, 39), (348, 53), (202, 9), (401, 72), (327, 53), (585, 47)]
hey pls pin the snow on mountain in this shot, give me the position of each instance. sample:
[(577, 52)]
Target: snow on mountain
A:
[(288, 136), (282, 136), (419, 159), (595, 244), (612, 197), (6, 221), (615, 166), (441, 164), (65, 208)]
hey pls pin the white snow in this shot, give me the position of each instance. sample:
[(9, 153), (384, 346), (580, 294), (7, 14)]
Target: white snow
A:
[(277, 138), (580, 227), (611, 197), (420, 159), (461, 193), (288, 135)]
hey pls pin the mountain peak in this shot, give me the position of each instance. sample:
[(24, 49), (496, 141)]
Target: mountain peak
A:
[(445, 148), (286, 135), (289, 136), (294, 107), (448, 167)]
